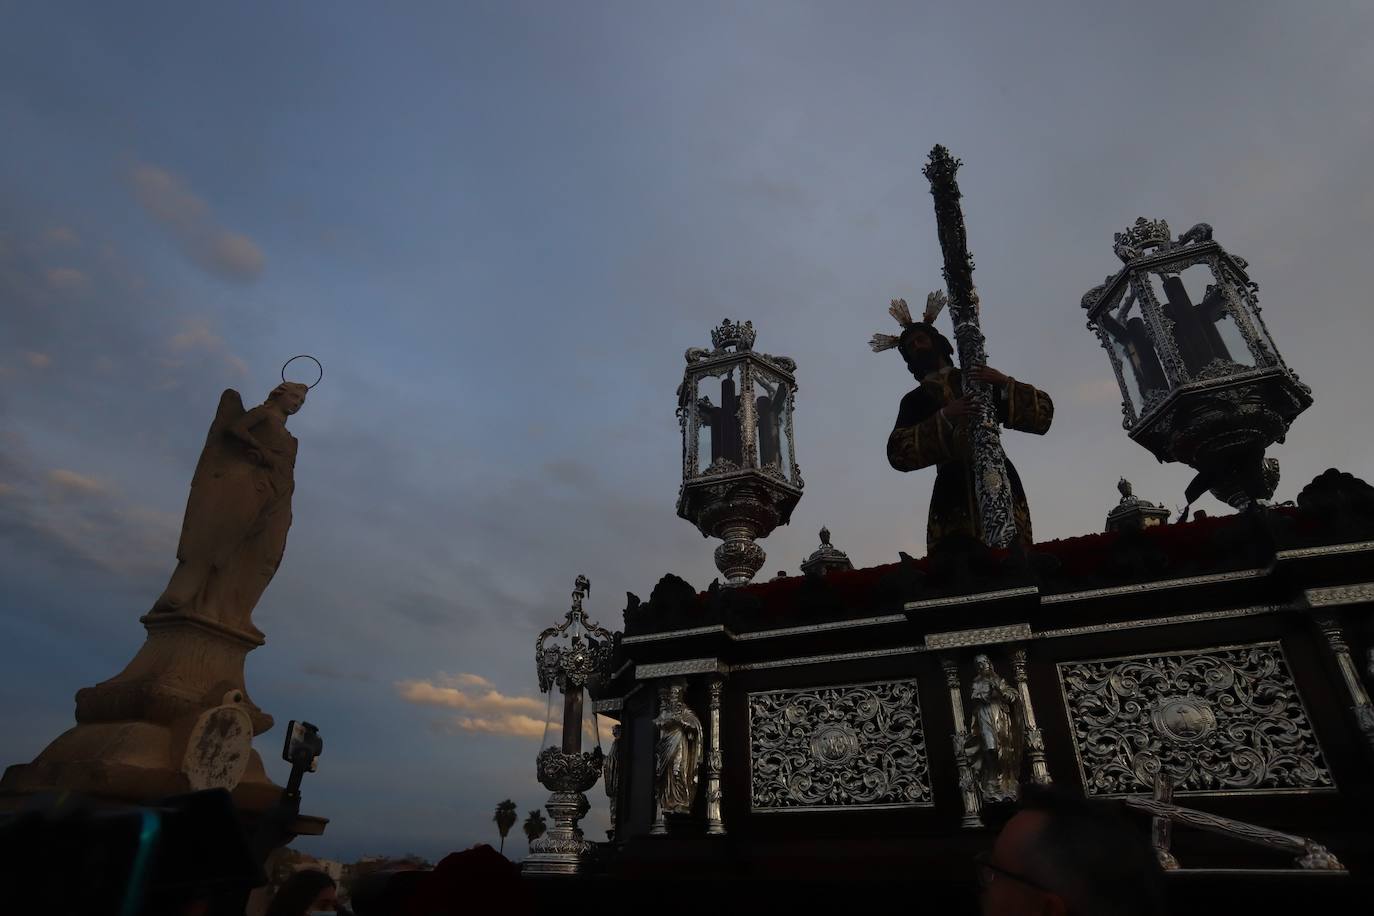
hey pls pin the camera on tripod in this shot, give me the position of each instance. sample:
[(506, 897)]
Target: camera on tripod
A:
[(303, 742)]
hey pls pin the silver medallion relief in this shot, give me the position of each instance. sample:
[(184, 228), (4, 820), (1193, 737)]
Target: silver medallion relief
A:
[(1183, 720), (1214, 720), (841, 747)]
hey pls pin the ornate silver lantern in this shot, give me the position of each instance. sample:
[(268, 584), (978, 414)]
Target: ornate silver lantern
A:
[(582, 658), (740, 478), (1201, 380)]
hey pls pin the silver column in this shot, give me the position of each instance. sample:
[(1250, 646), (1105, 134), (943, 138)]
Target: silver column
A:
[(1364, 712), (715, 825), (1035, 741), (660, 825), (968, 786)]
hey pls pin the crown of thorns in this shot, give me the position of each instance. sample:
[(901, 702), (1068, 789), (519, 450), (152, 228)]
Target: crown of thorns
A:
[(935, 303)]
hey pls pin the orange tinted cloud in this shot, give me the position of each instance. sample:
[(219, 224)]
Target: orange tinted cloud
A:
[(73, 482), (67, 279), (520, 726), (168, 199), (490, 701)]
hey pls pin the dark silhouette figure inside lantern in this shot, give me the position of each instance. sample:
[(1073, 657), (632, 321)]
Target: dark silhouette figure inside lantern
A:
[(769, 410), (1195, 326), (1134, 341), (723, 422)]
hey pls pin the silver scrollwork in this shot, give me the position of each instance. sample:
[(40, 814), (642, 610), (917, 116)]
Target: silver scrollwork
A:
[(1215, 720), (584, 658), (560, 851), (839, 747)]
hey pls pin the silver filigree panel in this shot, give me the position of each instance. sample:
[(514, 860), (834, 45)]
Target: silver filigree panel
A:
[(838, 748), (1220, 720)]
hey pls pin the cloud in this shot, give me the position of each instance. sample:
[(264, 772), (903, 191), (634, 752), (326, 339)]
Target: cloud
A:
[(67, 279), (196, 335), (489, 712), (72, 482), (38, 360), (516, 724), (236, 255), (63, 235), (169, 200), (66, 521), (330, 672), (429, 693), (466, 680)]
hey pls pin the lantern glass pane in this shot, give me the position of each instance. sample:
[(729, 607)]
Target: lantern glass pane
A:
[(1264, 344), (702, 422), (1131, 392), (786, 448), (1208, 338), (1126, 332), (771, 398), (719, 447), (575, 708), (553, 733)]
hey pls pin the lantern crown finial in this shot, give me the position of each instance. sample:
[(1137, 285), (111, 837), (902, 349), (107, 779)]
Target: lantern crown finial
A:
[(1137, 239), (587, 654), (739, 335)]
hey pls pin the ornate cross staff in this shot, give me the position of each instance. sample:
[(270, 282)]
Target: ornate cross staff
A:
[(990, 481)]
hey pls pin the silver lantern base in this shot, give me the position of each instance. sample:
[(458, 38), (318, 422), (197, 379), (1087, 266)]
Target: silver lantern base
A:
[(563, 850)]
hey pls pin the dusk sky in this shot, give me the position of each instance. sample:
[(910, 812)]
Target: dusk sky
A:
[(499, 225)]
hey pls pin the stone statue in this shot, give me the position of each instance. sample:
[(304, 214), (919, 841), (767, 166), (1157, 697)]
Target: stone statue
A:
[(610, 769), (610, 777), (238, 513), (935, 425), (179, 717), (678, 753), (994, 739)]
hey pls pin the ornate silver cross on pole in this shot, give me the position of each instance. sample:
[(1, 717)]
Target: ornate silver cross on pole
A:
[(990, 481)]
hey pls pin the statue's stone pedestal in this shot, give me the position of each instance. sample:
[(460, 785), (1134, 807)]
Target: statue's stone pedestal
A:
[(176, 719)]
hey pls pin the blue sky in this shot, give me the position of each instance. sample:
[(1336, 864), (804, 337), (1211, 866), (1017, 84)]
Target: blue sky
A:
[(500, 226)]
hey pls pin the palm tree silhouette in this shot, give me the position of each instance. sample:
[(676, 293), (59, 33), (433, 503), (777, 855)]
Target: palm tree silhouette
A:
[(534, 827), (505, 819)]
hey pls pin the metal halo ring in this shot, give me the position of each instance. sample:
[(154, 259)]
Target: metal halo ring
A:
[(303, 356)]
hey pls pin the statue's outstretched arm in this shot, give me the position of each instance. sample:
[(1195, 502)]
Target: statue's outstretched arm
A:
[(1027, 408)]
